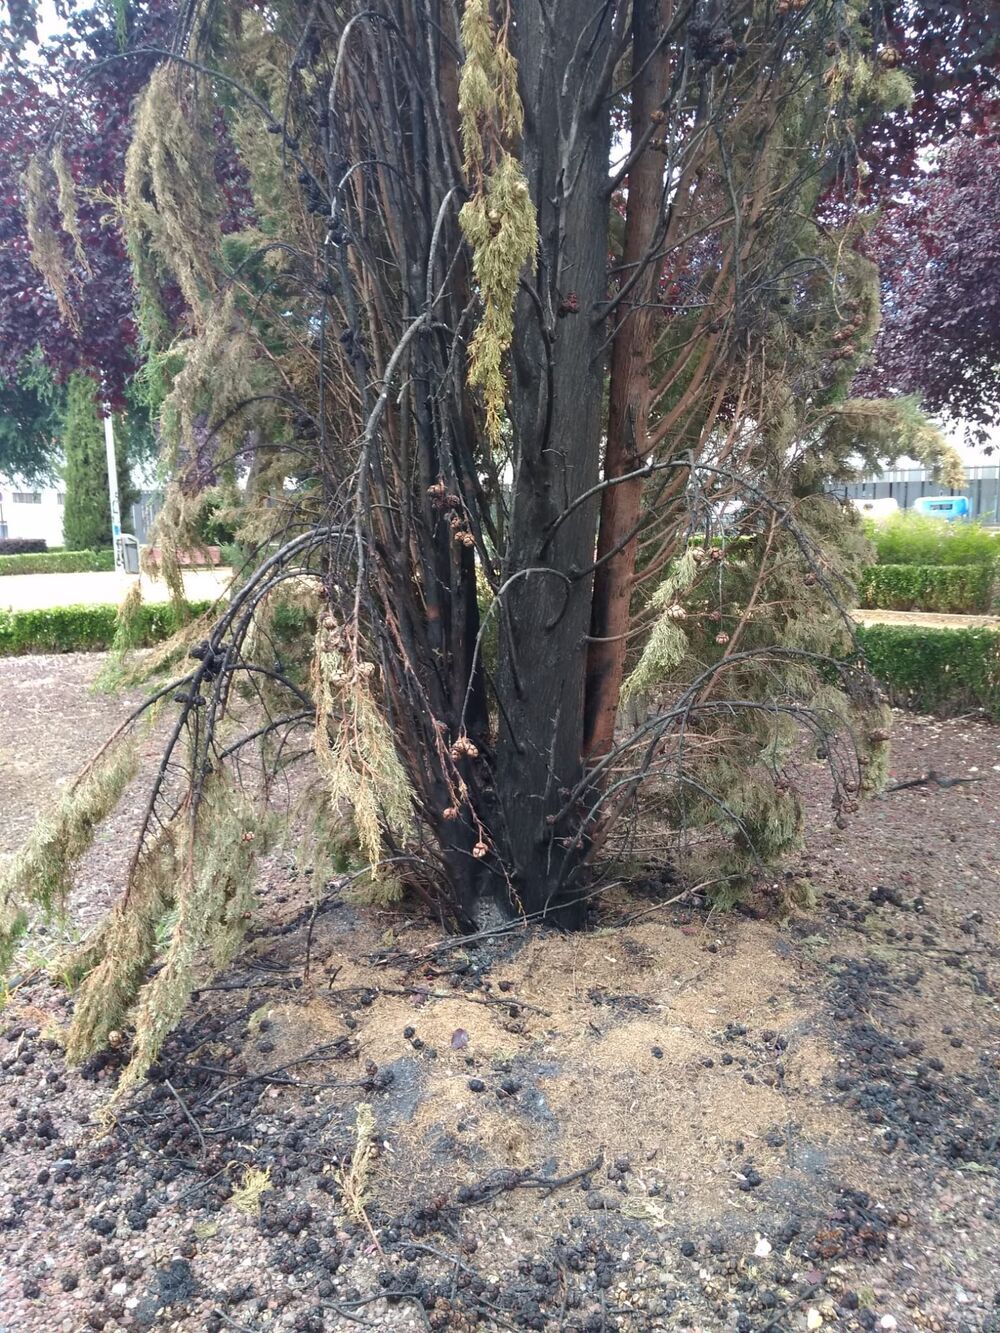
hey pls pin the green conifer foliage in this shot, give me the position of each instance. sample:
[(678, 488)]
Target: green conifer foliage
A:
[(87, 517)]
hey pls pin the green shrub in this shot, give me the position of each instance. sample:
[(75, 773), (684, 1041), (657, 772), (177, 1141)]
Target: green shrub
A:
[(22, 545), (77, 629), (935, 670), (917, 539), (958, 589), (58, 562)]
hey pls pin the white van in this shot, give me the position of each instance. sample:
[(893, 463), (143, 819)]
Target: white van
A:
[(879, 510)]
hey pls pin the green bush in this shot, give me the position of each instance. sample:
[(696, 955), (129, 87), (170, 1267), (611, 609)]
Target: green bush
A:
[(78, 629), (958, 589), (22, 545), (935, 670), (917, 539), (58, 562)]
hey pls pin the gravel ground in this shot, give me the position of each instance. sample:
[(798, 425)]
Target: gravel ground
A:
[(761, 1122)]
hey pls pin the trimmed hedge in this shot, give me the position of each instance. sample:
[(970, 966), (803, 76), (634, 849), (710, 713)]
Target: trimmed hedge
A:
[(22, 545), (935, 670), (959, 589), (78, 629), (58, 562), (907, 538)]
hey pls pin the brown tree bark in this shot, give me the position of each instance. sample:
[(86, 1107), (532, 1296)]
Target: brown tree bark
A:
[(629, 400)]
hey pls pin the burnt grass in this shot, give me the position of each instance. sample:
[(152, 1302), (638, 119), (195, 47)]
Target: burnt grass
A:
[(862, 1195)]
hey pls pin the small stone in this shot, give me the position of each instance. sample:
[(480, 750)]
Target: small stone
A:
[(762, 1249)]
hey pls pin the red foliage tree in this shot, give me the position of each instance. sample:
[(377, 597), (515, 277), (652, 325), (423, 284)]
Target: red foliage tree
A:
[(73, 83), (938, 252), (951, 55), (934, 171)]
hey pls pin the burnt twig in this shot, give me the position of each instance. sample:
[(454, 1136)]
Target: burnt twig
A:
[(930, 779)]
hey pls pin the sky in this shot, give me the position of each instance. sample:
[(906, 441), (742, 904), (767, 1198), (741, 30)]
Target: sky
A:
[(49, 21)]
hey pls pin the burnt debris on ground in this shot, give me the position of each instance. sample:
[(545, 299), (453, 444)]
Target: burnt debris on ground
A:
[(745, 1122)]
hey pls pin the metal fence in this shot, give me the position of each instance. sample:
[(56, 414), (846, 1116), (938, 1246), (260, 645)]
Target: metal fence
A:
[(982, 486)]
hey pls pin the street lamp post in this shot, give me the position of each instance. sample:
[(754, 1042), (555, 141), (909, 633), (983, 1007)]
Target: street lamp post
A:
[(116, 513)]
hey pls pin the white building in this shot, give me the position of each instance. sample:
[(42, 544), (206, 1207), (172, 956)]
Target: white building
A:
[(31, 513)]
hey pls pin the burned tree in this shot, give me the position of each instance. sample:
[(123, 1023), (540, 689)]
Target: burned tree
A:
[(522, 300)]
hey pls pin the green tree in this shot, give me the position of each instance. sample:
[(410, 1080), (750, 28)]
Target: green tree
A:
[(87, 518), (31, 407)]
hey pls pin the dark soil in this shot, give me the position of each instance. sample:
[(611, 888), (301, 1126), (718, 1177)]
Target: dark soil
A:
[(757, 1121)]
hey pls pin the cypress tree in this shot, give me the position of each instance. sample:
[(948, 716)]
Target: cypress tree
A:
[(87, 516)]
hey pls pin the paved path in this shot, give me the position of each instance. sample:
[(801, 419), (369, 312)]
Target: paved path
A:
[(932, 619), (35, 592)]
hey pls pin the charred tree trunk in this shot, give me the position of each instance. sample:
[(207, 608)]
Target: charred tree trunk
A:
[(558, 376)]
